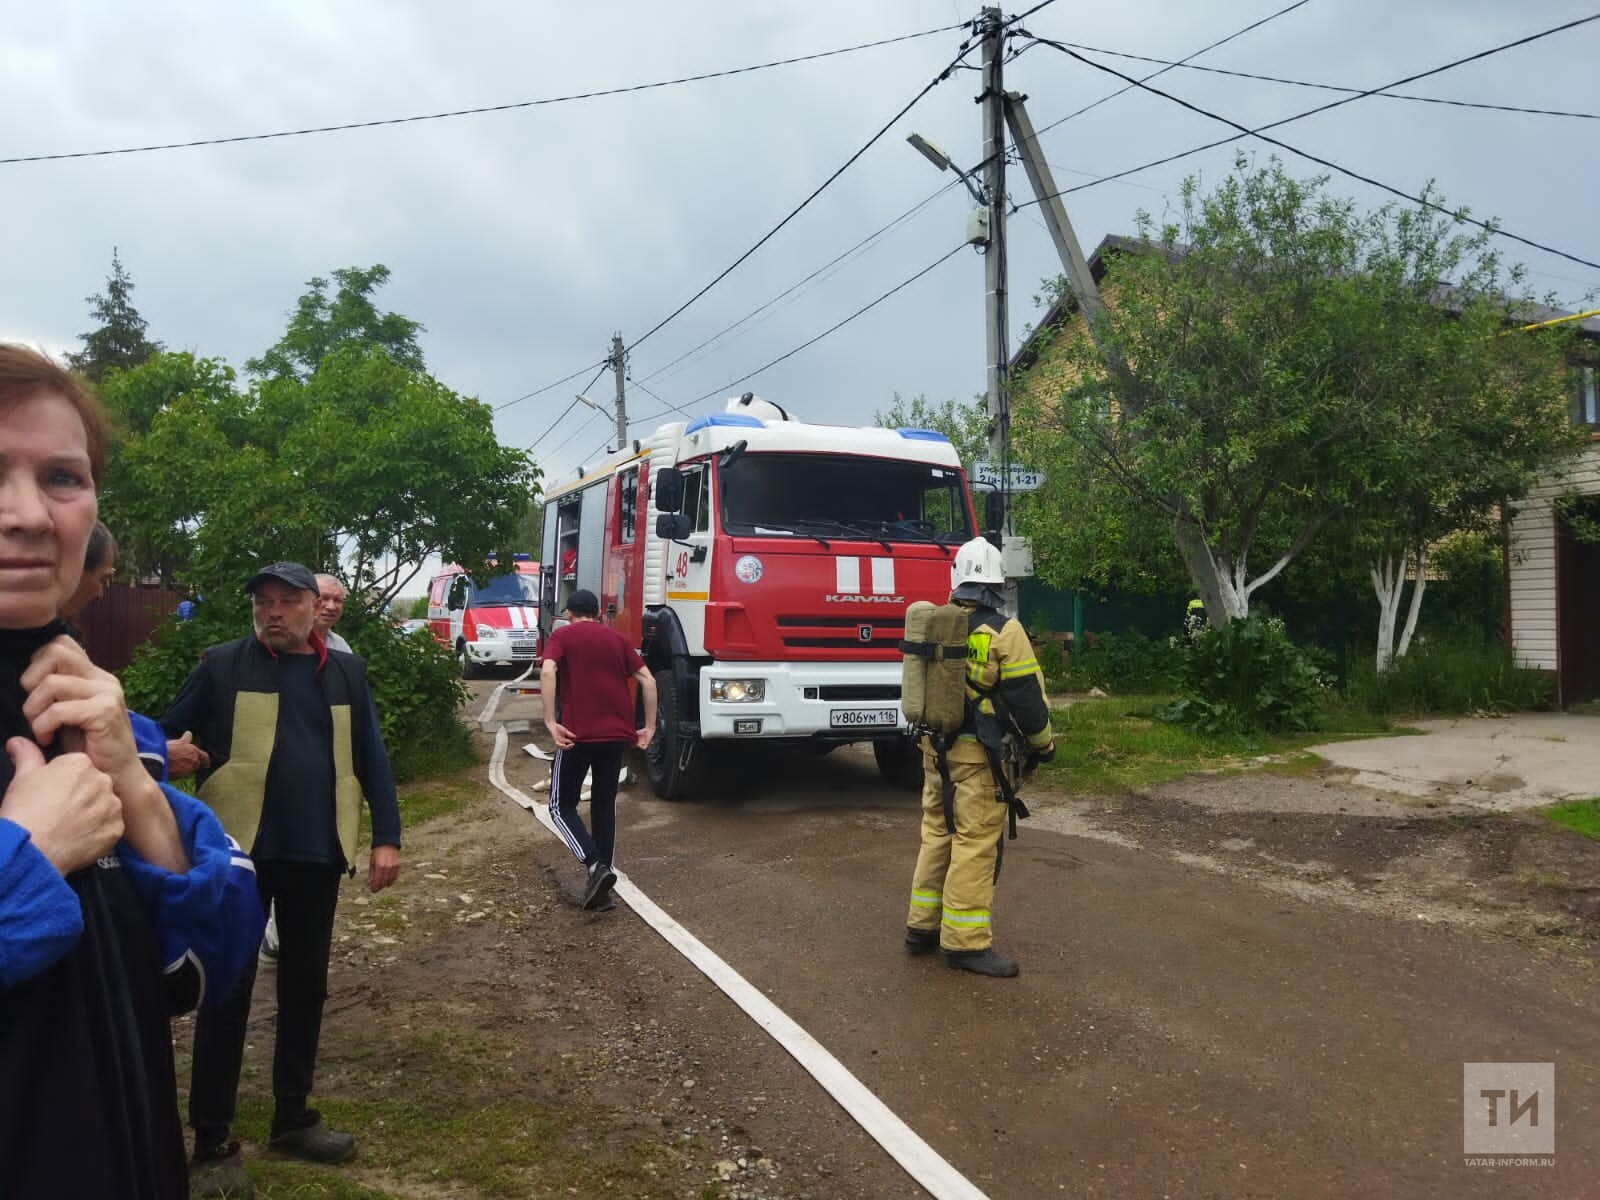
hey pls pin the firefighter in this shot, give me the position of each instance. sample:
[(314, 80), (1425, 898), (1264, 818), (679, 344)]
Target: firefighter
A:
[(964, 820)]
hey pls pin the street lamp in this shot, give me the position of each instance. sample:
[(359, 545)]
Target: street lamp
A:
[(943, 161), (604, 412), (978, 218)]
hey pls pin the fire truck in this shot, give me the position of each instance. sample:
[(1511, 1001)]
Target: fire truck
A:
[(763, 566)]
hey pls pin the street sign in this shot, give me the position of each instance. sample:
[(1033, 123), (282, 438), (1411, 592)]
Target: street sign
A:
[(1023, 479)]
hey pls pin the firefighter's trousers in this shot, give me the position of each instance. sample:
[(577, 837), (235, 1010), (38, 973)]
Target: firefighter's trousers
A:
[(954, 882)]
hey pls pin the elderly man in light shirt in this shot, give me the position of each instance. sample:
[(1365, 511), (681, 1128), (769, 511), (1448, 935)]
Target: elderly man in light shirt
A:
[(330, 607)]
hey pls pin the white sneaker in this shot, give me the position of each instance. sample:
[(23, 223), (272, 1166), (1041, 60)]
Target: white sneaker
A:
[(269, 943)]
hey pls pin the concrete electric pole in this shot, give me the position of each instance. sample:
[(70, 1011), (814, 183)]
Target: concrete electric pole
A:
[(618, 366), (997, 401)]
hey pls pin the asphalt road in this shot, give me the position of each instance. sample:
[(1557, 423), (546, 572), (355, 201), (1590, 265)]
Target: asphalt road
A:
[(1174, 1032)]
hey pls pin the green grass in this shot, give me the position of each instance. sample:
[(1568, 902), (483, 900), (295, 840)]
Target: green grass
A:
[(447, 751), (1580, 816), (460, 1119), (1112, 746)]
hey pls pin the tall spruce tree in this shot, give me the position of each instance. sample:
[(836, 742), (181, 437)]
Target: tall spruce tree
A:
[(120, 340)]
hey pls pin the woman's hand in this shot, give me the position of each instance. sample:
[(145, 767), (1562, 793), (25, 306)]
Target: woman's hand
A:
[(71, 699), (67, 806), (68, 692)]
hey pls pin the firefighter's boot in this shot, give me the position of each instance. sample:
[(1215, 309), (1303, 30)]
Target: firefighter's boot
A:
[(921, 941), (982, 962)]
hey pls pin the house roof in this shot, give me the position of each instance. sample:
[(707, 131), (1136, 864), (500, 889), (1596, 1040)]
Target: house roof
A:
[(1099, 262)]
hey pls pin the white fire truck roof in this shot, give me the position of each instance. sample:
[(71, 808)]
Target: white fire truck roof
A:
[(718, 431)]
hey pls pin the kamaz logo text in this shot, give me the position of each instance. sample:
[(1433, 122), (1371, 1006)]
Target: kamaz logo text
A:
[(836, 598)]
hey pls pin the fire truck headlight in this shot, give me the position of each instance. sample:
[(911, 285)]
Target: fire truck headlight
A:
[(739, 691), (490, 633)]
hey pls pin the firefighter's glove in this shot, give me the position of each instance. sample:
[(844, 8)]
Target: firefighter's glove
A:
[(1035, 757)]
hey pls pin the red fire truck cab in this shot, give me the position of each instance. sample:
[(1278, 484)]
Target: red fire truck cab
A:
[(763, 566)]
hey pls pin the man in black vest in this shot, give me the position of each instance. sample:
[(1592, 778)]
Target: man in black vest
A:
[(291, 735)]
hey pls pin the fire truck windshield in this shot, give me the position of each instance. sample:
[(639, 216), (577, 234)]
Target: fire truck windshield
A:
[(844, 496), (506, 590)]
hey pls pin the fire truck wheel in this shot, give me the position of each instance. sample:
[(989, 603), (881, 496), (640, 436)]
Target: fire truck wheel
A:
[(673, 759), (899, 762), (469, 669)]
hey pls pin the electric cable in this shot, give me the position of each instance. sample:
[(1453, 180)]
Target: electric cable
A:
[(552, 386), (1246, 131), (871, 237), (571, 404), (848, 163), (832, 328), (658, 400), (1203, 50), (1329, 87), (469, 112), (576, 430)]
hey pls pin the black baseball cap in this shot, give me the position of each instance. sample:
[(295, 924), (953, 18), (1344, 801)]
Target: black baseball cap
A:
[(584, 603), (292, 573)]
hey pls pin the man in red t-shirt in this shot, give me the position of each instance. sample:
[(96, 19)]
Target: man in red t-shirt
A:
[(589, 712)]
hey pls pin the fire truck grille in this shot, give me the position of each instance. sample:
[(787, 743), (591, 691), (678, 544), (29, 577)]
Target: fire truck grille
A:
[(860, 635)]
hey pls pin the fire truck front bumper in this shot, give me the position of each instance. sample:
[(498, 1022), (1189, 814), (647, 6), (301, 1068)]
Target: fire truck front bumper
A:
[(845, 702), (510, 650)]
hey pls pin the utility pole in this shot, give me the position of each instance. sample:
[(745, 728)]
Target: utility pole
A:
[(1076, 268), (618, 366), (997, 401)]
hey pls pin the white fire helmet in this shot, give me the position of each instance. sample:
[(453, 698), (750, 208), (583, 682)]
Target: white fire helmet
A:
[(977, 562)]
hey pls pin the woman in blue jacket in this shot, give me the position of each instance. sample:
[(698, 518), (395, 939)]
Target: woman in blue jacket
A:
[(113, 888)]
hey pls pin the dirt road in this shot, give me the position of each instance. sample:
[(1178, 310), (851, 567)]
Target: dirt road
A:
[(1230, 987)]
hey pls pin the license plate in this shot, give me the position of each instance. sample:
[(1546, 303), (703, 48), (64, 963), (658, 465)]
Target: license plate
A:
[(864, 718)]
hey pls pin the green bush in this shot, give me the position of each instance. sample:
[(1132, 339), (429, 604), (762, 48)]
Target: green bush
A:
[(1124, 662), (1247, 677), (415, 684), (1053, 662), (1449, 676)]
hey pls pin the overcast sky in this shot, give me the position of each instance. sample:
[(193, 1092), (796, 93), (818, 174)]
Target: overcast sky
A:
[(523, 239)]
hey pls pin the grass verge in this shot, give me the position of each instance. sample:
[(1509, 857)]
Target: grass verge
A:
[(1580, 816), (1116, 745)]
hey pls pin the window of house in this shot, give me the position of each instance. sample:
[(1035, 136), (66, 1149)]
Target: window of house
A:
[(1585, 402), (627, 505)]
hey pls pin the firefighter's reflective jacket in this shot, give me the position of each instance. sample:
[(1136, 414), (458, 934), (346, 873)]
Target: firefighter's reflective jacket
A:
[(1005, 688)]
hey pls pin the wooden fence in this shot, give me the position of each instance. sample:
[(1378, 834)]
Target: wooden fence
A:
[(123, 619)]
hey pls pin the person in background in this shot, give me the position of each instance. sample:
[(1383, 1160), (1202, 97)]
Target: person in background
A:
[(107, 878), (589, 713), (293, 746), (330, 607), (99, 565)]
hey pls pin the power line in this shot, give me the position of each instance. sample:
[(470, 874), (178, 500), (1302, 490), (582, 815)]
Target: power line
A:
[(832, 328), (871, 237), (1246, 131), (576, 430), (571, 404), (1329, 87), (658, 400), (550, 387), (470, 112), (1203, 50), (848, 163)]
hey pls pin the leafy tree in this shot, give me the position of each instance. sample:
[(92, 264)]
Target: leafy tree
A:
[(965, 424), (119, 341), (1256, 377), (359, 463), (319, 326)]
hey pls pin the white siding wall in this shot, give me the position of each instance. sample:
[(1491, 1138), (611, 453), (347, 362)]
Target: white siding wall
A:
[(1533, 563)]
